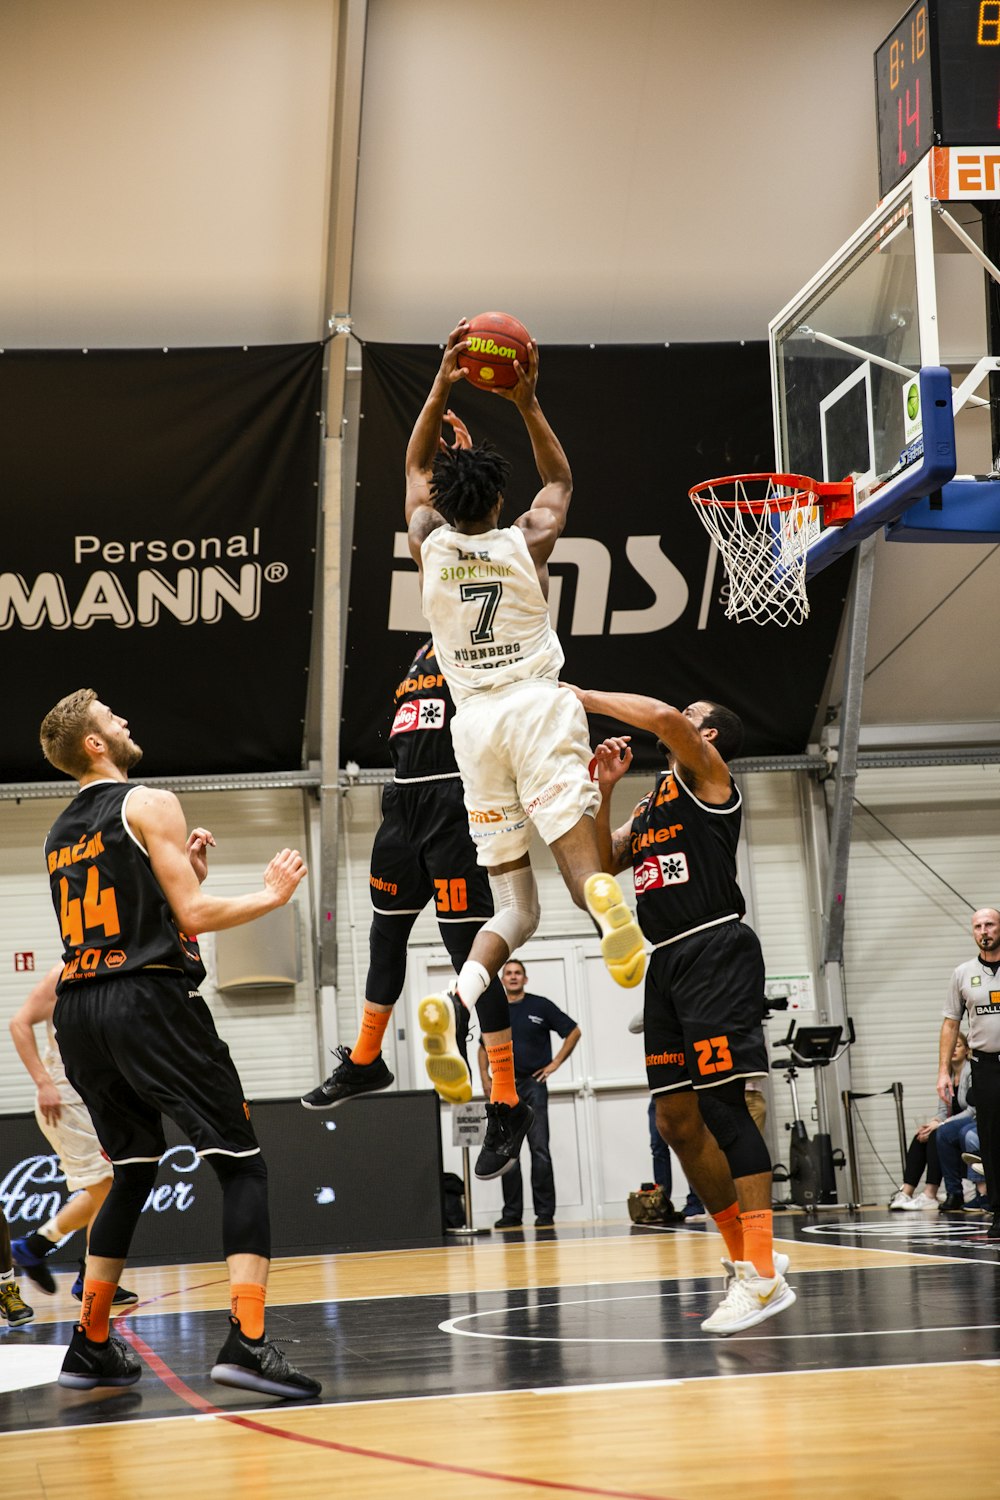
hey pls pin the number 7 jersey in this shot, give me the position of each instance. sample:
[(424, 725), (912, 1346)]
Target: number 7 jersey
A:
[(112, 913), (487, 612)]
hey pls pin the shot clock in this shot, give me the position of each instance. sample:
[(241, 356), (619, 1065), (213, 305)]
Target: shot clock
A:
[(937, 83)]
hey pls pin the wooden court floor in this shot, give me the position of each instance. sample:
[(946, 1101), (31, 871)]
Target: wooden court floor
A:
[(549, 1363)]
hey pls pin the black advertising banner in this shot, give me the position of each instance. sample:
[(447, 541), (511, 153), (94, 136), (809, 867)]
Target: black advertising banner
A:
[(158, 545), (637, 592), (332, 1184)]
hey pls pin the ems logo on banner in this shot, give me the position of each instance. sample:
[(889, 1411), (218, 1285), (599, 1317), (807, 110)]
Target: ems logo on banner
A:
[(424, 713), (661, 870)]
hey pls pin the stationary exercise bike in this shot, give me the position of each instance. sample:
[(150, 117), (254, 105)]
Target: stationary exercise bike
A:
[(812, 1163)]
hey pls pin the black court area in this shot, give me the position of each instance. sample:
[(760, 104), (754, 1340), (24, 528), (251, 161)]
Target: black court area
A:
[(931, 1296)]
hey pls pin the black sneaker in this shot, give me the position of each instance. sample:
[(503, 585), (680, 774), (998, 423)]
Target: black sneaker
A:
[(13, 1307), (347, 1081), (993, 1230), (256, 1365), (122, 1297), (88, 1365), (507, 1224), (505, 1132), (33, 1266), (954, 1203)]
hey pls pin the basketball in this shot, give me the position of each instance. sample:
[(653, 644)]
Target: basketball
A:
[(495, 340)]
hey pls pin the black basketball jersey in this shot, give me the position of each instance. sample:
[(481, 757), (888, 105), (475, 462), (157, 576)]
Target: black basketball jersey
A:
[(111, 910), (420, 737), (684, 859)]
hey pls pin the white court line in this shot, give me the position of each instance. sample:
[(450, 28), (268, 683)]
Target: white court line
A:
[(451, 1326), (599, 1387)]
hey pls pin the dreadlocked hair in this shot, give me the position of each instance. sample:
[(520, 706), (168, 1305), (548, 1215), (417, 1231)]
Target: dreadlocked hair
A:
[(466, 483)]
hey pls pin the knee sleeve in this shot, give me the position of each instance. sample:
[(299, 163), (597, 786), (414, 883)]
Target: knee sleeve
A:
[(492, 1008), (515, 907), (725, 1112), (246, 1222), (111, 1232), (387, 941)]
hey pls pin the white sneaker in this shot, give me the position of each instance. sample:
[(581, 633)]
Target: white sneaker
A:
[(781, 1264), (749, 1300), (904, 1202), (926, 1202)]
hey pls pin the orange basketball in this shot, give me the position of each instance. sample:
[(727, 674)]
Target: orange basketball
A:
[(495, 340)]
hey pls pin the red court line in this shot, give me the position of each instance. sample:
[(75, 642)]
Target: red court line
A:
[(185, 1393)]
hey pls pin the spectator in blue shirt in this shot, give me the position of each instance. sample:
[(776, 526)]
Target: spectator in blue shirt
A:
[(533, 1019)]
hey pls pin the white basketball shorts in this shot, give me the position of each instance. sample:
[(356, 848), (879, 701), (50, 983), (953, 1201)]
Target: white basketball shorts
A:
[(74, 1140), (524, 755)]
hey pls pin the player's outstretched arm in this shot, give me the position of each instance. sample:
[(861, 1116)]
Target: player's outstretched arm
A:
[(612, 760), (694, 753), (157, 818), (544, 522), (425, 438)]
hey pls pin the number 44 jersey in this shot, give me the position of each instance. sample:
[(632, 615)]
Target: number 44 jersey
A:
[(112, 913)]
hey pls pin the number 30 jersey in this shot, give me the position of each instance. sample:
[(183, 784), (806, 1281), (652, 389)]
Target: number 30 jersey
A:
[(487, 612), (111, 910)]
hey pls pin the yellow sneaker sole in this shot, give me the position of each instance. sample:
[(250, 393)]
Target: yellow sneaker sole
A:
[(621, 939), (446, 1068)]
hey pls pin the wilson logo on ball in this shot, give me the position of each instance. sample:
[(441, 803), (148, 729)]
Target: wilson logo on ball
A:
[(494, 350)]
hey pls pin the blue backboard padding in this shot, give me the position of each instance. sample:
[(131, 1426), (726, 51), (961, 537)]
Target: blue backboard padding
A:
[(933, 470), (969, 512)]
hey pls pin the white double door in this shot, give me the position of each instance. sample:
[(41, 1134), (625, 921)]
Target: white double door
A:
[(598, 1101)]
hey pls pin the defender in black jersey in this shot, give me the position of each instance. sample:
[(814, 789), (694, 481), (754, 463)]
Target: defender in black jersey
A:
[(422, 852), (137, 1040), (704, 997)]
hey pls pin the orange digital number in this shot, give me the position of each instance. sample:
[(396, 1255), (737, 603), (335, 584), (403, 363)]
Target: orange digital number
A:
[(99, 908), (988, 34), (714, 1055), (452, 895)]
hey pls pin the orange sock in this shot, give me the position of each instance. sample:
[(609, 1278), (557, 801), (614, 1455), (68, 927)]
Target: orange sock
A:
[(369, 1042), (502, 1088), (96, 1316), (247, 1304), (731, 1230), (758, 1240)]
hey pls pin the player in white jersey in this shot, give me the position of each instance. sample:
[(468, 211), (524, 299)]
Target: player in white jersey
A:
[(65, 1121), (520, 739)]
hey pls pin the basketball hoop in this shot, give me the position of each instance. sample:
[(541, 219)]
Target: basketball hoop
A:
[(763, 525)]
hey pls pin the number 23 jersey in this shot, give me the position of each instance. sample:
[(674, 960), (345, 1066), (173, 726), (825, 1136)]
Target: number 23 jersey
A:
[(112, 913)]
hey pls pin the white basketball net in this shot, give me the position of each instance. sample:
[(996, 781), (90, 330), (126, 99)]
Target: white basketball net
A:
[(762, 530)]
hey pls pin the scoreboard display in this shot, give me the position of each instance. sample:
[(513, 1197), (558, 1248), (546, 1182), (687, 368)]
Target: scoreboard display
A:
[(937, 83)]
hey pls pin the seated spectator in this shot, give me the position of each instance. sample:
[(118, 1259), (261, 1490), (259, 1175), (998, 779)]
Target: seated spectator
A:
[(937, 1146), (980, 1198)]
